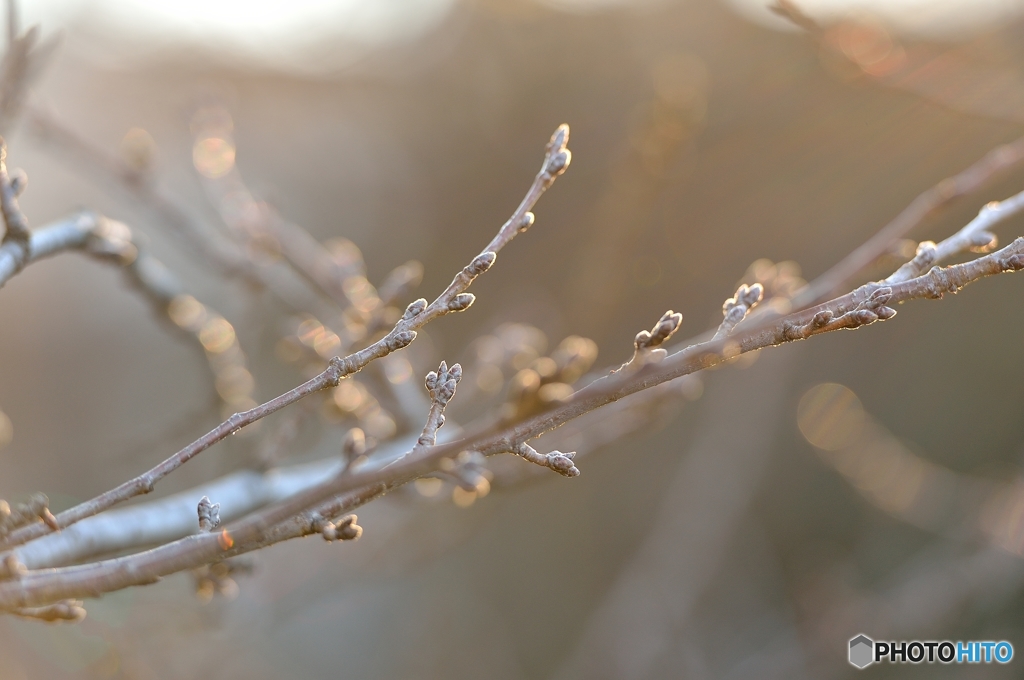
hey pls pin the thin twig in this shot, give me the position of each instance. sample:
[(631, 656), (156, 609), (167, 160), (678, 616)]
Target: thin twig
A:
[(40, 587), (418, 314), (218, 251), (113, 242), (975, 236), (928, 203)]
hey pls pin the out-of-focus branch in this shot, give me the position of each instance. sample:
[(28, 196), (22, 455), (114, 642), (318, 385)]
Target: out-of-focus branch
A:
[(114, 242), (969, 180), (15, 224), (65, 610), (217, 250), (258, 226), (419, 313), (995, 162), (69, 234), (24, 58)]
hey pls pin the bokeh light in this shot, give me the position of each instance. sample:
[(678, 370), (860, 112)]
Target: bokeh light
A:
[(830, 416), (213, 156)]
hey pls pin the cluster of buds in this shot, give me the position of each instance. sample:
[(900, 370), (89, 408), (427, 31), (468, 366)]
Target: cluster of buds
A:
[(647, 344), (209, 515), (345, 529), (736, 308)]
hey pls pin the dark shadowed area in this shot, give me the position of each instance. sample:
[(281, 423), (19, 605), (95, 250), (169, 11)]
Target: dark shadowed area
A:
[(746, 523)]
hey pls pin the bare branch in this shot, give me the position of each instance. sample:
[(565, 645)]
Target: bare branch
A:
[(418, 314), (113, 242), (101, 165), (556, 460), (975, 236), (287, 519), (65, 610), (15, 223), (994, 163), (66, 235), (23, 60)]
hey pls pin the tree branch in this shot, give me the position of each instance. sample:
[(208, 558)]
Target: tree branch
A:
[(973, 237), (418, 314), (113, 242), (291, 518)]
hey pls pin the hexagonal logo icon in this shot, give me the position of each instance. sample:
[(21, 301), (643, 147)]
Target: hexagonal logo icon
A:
[(862, 650)]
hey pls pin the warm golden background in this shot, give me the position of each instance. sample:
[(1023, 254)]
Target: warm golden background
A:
[(751, 534)]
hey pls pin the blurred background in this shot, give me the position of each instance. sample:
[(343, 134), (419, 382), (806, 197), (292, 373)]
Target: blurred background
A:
[(746, 524)]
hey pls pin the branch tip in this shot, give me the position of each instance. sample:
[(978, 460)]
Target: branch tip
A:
[(559, 139), (562, 463)]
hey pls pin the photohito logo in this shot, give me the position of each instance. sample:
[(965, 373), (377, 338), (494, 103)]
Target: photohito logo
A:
[(864, 651)]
